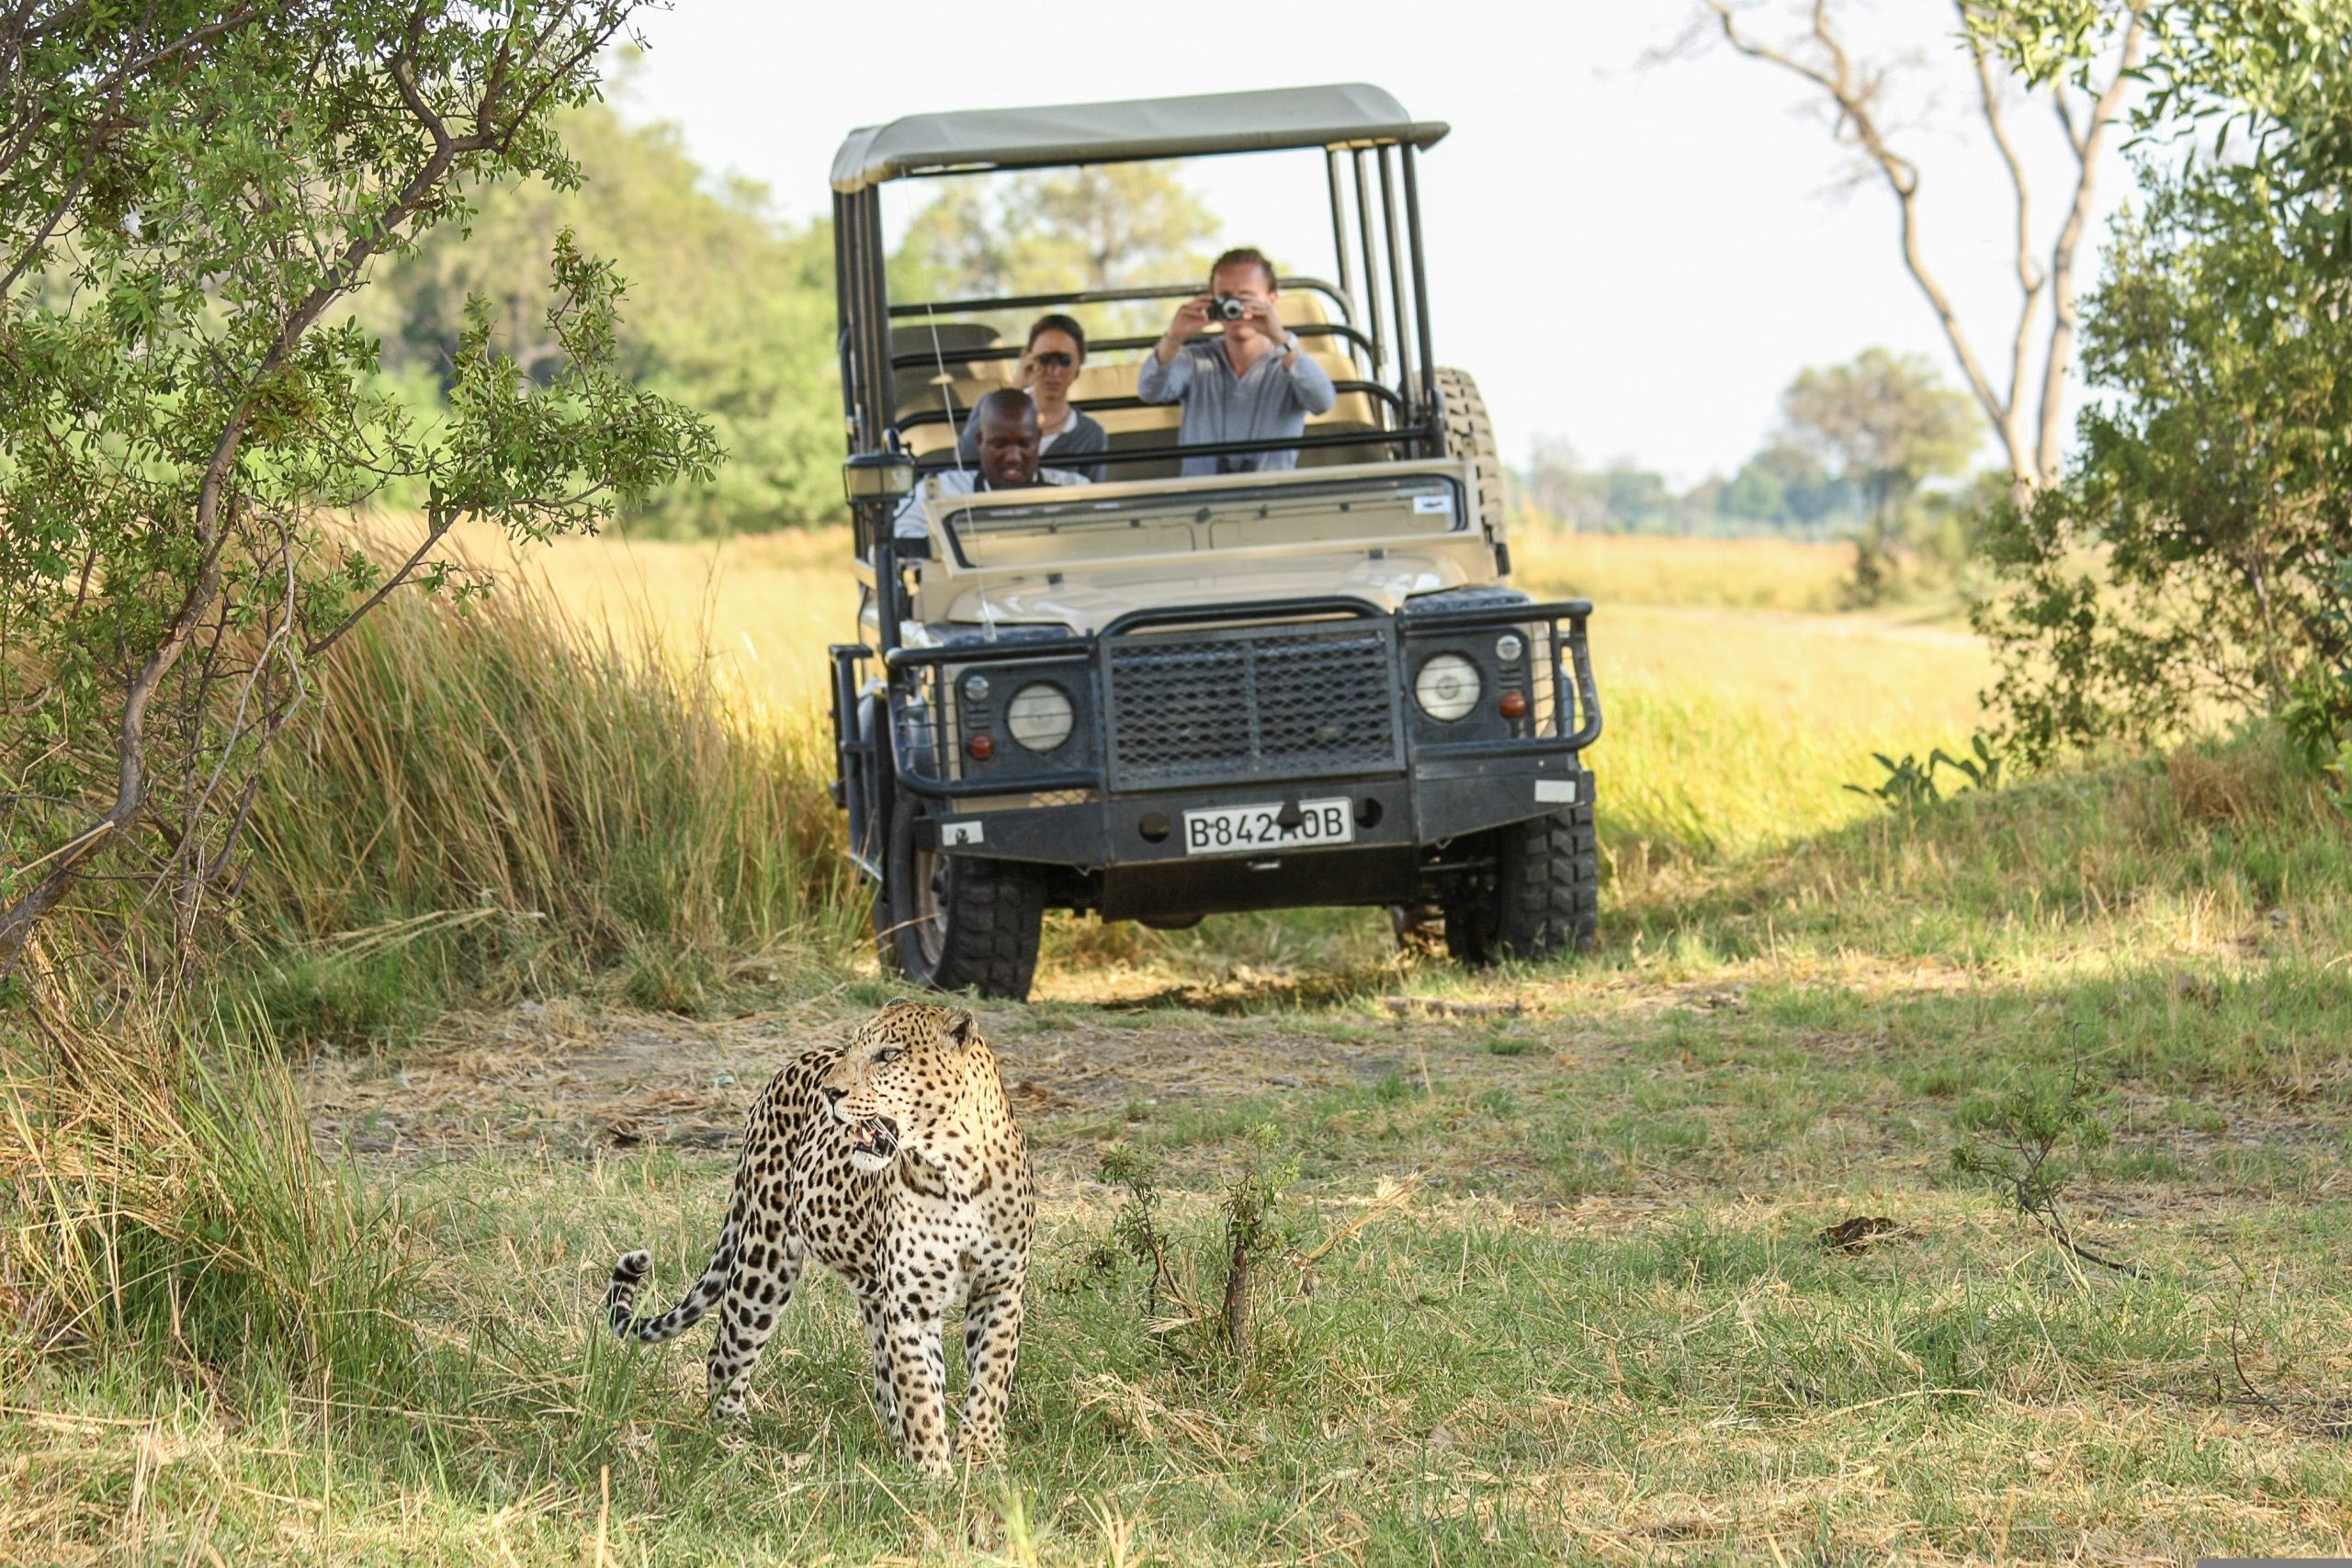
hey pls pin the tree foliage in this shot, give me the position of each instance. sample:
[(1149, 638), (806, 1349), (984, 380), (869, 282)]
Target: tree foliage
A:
[(741, 326), (1119, 225), (1886, 423), (189, 196), (2191, 564)]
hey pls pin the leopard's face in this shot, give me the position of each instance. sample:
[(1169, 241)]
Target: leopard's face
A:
[(901, 1077)]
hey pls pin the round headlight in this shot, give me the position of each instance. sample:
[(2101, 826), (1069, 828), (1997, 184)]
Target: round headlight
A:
[(1447, 686), (1040, 717)]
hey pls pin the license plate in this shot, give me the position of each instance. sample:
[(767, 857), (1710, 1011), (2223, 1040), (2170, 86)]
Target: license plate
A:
[(1248, 829)]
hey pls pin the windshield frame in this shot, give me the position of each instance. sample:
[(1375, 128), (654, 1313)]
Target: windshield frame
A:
[(1207, 502)]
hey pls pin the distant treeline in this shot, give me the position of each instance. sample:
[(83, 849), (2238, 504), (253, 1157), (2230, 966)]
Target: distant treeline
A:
[(1781, 490), (729, 309)]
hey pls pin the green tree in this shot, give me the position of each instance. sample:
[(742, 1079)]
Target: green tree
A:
[(2193, 561), (2191, 557), (1755, 494), (1786, 488), (189, 196), (1121, 225), (740, 327), (1886, 423)]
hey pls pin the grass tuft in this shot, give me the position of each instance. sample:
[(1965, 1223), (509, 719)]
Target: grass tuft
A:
[(160, 1196), (494, 800)]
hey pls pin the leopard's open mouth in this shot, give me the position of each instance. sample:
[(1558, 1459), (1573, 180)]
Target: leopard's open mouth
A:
[(877, 1137)]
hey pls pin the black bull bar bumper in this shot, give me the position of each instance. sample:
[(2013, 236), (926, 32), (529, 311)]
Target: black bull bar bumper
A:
[(1279, 705)]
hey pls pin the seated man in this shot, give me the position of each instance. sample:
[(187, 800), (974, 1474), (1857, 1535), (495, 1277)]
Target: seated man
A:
[(1007, 422), (1251, 385)]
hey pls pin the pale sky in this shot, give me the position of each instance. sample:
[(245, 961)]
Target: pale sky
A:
[(1635, 256)]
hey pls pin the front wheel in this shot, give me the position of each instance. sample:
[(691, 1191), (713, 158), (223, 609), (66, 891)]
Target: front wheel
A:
[(953, 923), (1542, 898)]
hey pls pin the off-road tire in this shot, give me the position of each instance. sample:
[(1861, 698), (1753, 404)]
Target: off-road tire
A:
[(1470, 434), (1542, 898), (990, 918)]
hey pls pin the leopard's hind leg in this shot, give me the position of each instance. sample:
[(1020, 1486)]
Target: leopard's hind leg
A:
[(766, 1274)]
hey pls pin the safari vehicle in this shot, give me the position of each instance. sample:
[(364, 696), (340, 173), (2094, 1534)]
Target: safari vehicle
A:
[(1160, 698)]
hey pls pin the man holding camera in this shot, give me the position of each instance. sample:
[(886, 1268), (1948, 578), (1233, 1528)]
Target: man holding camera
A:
[(1253, 384)]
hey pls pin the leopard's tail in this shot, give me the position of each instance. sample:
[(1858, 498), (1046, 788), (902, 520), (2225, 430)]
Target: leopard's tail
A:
[(630, 1274)]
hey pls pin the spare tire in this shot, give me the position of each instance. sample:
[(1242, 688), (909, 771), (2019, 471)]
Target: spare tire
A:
[(1470, 434)]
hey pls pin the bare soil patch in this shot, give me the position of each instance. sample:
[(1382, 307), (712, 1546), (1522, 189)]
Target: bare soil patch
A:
[(569, 1078)]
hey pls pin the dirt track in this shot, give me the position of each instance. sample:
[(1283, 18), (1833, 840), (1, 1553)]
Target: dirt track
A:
[(571, 1079)]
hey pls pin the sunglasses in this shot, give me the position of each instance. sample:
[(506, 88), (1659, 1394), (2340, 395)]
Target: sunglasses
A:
[(1053, 361)]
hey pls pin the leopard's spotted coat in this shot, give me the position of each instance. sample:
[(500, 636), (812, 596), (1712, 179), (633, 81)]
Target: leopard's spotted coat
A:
[(893, 1161)]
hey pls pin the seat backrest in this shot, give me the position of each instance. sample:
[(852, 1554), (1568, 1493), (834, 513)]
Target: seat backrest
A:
[(1151, 424), (1301, 308), (908, 382)]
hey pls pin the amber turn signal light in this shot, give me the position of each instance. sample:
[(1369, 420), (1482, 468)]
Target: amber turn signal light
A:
[(1513, 705), (980, 748)]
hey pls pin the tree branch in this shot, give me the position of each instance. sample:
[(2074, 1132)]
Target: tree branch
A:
[(2063, 305), (1852, 102), (2032, 280), (437, 526)]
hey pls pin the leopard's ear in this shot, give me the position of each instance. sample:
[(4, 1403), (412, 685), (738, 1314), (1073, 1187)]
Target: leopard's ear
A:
[(963, 1028)]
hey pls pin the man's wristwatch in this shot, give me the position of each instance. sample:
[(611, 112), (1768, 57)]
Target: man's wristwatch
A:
[(1290, 342)]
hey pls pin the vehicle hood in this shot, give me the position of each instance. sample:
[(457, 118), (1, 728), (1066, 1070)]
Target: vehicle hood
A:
[(1087, 602)]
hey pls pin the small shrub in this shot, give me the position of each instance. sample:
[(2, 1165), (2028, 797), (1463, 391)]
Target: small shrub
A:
[(669, 980), (1182, 1309), (2014, 1143), (1911, 782), (325, 1000)]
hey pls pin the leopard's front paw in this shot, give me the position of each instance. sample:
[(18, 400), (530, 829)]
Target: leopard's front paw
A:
[(936, 1465)]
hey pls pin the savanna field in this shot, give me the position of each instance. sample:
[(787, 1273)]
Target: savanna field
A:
[(1962, 1182)]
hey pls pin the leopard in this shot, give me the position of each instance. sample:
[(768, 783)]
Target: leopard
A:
[(894, 1161)]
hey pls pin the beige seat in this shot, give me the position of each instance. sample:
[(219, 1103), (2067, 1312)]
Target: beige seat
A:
[(1301, 308), (1153, 424)]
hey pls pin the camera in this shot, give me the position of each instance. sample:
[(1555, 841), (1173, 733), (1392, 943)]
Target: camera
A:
[(1226, 308)]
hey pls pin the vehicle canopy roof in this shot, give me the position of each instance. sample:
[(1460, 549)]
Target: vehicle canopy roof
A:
[(1343, 115)]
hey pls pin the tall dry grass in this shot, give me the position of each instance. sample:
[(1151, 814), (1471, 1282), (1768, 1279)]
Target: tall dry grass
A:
[(486, 795), (498, 786), (1805, 577), (616, 763), (160, 1193)]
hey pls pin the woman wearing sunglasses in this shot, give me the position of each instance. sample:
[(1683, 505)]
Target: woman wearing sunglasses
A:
[(1055, 354)]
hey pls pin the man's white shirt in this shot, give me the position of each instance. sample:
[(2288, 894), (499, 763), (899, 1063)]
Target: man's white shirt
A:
[(909, 522)]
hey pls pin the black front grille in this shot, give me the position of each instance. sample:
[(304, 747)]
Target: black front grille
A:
[(1300, 701)]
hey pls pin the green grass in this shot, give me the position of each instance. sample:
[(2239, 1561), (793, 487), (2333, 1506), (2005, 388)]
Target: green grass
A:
[(1600, 1327)]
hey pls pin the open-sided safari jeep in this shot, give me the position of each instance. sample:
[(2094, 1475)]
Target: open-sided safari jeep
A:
[(1161, 698)]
